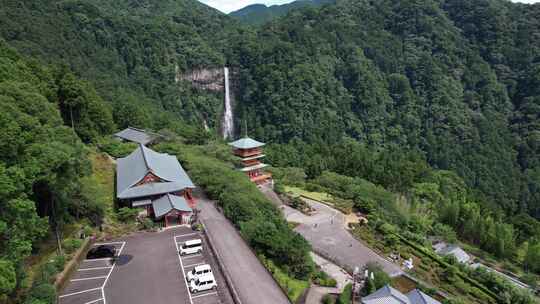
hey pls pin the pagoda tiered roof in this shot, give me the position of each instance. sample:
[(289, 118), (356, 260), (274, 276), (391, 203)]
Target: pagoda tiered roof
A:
[(246, 143)]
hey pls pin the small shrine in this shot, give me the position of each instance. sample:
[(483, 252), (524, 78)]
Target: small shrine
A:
[(251, 153)]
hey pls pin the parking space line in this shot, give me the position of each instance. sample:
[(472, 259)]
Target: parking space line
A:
[(109, 274), (94, 268), (187, 234), (110, 243), (94, 301), (102, 259), (196, 264), (206, 294), (182, 266), (192, 256), (79, 292), (93, 278)]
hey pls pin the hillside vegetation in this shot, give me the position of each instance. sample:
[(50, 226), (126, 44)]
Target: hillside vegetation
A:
[(434, 101)]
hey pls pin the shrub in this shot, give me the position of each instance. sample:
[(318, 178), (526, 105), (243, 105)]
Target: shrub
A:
[(70, 245), (346, 296), (8, 279), (116, 148), (59, 262), (321, 278), (328, 299), (44, 292), (126, 214), (148, 224)]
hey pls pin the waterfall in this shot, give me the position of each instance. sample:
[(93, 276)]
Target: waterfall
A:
[(228, 119)]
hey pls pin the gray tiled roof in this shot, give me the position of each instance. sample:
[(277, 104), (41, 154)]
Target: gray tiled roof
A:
[(150, 189), (389, 295), (418, 297), (136, 135), (134, 167), (168, 202), (246, 143), (456, 251), (386, 295)]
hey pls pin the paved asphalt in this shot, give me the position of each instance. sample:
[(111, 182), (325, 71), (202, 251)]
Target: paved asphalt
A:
[(148, 270), (328, 237), (252, 281)]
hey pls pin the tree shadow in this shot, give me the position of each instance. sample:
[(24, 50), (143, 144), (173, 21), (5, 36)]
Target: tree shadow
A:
[(123, 259)]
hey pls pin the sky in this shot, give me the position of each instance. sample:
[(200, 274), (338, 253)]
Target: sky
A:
[(228, 6)]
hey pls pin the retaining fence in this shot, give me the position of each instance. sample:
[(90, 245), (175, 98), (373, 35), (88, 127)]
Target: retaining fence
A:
[(226, 275), (72, 265)]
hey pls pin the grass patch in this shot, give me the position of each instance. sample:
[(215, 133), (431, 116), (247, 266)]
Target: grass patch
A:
[(294, 288), (340, 204)]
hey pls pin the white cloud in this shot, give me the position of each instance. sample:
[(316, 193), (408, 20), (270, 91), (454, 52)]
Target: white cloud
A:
[(228, 6), (526, 1)]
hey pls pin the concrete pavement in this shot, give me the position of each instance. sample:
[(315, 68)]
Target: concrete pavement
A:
[(326, 232), (251, 280)]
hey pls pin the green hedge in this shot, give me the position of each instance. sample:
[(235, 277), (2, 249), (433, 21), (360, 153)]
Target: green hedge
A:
[(346, 296), (259, 221)]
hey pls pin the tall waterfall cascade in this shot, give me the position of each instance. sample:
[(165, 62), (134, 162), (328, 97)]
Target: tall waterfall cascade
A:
[(228, 117)]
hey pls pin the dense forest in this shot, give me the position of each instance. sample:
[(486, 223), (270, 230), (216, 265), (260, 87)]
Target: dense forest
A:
[(46, 114), (409, 95), (400, 74), (258, 14), (455, 81)]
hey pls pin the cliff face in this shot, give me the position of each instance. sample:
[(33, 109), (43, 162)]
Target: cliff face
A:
[(204, 79), (213, 80)]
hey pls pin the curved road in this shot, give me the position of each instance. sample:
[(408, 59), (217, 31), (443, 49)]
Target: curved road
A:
[(326, 232)]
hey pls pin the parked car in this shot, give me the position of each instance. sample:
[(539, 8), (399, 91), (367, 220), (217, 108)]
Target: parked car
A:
[(191, 247), (203, 283), (101, 251), (199, 271)]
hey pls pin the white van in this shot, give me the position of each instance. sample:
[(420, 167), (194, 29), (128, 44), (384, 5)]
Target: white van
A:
[(199, 271), (191, 247), (203, 283)]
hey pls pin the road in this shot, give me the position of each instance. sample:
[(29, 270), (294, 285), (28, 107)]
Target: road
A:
[(326, 232), (252, 281)]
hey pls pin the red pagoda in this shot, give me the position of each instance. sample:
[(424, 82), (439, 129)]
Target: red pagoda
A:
[(249, 150)]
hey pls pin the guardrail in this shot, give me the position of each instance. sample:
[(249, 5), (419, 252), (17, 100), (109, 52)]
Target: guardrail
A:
[(70, 267)]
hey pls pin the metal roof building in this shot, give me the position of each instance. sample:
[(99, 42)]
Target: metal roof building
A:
[(137, 136), (134, 168), (460, 254), (169, 202), (389, 295)]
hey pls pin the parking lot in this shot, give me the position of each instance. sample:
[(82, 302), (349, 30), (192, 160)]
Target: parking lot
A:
[(88, 283), (188, 262), (148, 269)]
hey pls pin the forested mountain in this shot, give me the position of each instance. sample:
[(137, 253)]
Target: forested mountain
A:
[(379, 90), (258, 14), (130, 50), (404, 74), (455, 81)]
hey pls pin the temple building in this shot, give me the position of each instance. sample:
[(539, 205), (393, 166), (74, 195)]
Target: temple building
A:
[(251, 154), (389, 295), (138, 136), (156, 183)]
